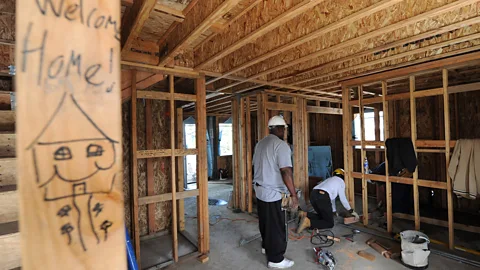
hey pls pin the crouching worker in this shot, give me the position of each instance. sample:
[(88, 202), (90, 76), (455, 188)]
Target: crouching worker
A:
[(323, 198)]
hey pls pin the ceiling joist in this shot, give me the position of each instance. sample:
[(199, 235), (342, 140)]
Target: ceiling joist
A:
[(133, 23), (362, 38), (200, 18)]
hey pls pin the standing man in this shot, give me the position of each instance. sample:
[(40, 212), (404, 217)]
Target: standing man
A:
[(273, 176), (323, 201)]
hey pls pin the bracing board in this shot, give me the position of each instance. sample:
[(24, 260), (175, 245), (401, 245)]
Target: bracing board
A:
[(69, 134)]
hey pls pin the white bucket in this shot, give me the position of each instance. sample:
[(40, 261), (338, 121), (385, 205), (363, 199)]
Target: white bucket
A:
[(415, 250)]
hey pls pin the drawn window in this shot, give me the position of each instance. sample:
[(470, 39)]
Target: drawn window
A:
[(63, 153), (94, 150)]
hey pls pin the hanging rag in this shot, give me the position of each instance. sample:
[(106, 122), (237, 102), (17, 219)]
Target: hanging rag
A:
[(402, 160), (464, 168)]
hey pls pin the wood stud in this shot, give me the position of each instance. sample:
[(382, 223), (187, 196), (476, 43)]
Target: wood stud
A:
[(413, 128), (427, 146), (386, 132), (446, 110)]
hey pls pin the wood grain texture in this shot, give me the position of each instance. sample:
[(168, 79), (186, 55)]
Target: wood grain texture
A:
[(10, 256), (70, 185), (8, 171), (202, 167), (413, 130), (7, 120), (7, 145), (9, 211)]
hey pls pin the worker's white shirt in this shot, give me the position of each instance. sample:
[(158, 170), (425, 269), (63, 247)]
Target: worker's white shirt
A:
[(335, 187), (271, 155)]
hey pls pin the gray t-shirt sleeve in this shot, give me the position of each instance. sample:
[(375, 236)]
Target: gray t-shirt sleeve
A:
[(284, 155)]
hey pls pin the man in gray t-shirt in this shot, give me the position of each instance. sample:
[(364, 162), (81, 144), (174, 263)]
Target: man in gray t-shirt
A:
[(273, 176)]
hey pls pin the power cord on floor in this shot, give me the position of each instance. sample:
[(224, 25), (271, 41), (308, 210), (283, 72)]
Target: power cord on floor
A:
[(322, 238), (220, 218)]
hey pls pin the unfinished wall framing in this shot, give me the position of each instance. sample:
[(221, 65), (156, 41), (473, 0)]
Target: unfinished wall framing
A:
[(175, 154), (353, 96), (296, 110)]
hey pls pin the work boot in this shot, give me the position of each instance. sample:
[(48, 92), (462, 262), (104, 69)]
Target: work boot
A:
[(301, 214), (304, 223), (286, 263)]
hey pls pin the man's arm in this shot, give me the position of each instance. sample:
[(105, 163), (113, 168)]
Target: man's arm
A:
[(343, 198), (287, 177)]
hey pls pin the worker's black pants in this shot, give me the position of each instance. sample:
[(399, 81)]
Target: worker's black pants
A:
[(271, 222), (323, 219)]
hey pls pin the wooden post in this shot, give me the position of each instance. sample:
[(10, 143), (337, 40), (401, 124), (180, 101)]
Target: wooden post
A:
[(306, 134), (69, 138), (347, 151), (376, 118), (363, 155), (386, 132), (241, 157), (134, 172), (172, 168), (446, 110), (150, 177), (202, 166), (266, 131), (248, 154), (413, 122), (260, 118), (236, 152), (180, 171), (296, 144)]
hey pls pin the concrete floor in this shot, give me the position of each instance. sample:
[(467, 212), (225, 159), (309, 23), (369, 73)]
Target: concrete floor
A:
[(227, 254)]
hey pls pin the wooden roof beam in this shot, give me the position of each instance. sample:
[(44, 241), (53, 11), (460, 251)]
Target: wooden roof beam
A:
[(315, 34), (401, 55), (460, 60), (421, 17), (247, 9), (298, 9), (397, 43), (133, 23), (424, 60), (201, 17)]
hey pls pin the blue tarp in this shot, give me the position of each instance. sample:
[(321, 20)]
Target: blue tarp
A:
[(320, 161)]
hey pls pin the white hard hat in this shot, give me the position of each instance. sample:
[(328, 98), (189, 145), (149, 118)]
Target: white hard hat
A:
[(277, 121)]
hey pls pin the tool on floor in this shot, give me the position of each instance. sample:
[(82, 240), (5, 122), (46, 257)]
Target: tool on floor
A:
[(323, 238), (324, 258), (351, 237), (366, 255), (385, 253)]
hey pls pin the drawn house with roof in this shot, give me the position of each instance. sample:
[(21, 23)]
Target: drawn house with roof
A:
[(75, 166)]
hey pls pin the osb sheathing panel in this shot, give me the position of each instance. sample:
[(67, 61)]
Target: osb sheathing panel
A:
[(396, 13), (254, 19), (161, 166), (7, 20), (320, 16), (155, 26), (224, 21), (201, 11), (176, 4), (7, 54), (5, 84), (126, 147)]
